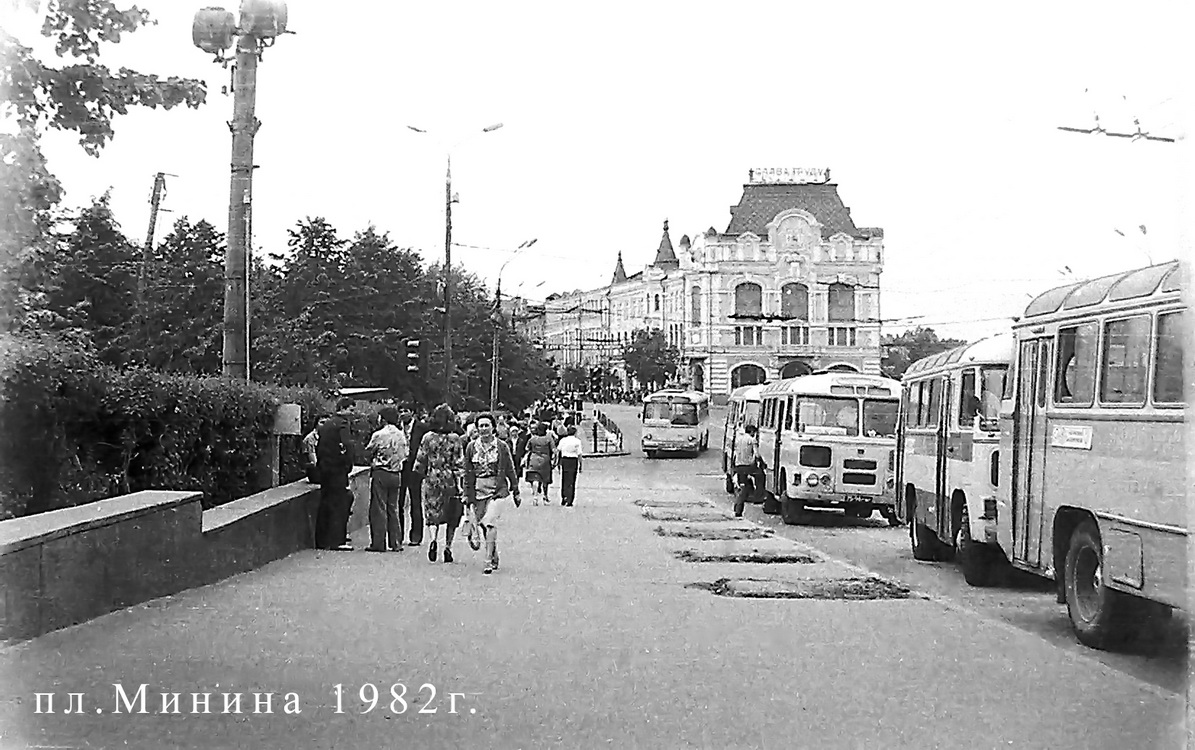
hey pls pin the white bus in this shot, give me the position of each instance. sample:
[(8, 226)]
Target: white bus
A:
[(676, 421), (1093, 487), (742, 410), (947, 453), (829, 440)]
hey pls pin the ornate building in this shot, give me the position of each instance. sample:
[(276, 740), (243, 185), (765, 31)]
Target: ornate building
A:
[(791, 286)]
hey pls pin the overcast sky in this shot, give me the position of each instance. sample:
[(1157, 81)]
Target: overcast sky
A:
[(938, 122)]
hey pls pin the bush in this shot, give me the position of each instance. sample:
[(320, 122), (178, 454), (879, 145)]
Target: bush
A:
[(73, 430)]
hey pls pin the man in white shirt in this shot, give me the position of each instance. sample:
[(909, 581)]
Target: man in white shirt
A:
[(387, 451), (746, 454), (569, 449)]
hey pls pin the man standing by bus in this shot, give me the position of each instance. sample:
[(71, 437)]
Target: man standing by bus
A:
[(746, 453)]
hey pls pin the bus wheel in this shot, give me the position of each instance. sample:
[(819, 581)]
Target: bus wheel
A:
[(977, 559), (792, 512), (1097, 613), (771, 506), (926, 545)]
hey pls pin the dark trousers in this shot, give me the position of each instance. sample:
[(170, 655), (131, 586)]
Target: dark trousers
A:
[(746, 477), (568, 479), (412, 487), (385, 525), (332, 518)]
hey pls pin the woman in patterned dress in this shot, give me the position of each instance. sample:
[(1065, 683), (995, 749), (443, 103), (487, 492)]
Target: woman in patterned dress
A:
[(490, 479), (441, 462)]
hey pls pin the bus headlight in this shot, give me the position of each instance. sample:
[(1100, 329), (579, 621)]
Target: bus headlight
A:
[(826, 480), (647, 436), (691, 439), (890, 482), (811, 480)]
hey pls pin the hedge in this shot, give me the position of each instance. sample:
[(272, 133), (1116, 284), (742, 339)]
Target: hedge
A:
[(73, 430)]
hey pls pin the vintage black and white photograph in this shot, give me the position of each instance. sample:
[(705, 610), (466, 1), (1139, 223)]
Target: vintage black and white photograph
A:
[(634, 375)]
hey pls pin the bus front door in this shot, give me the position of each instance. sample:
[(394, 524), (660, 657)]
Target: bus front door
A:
[(898, 490), (941, 440), (774, 469), (1029, 451)]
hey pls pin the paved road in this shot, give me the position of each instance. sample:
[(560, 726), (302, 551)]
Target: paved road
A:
[(590, 636), (1025, 601)]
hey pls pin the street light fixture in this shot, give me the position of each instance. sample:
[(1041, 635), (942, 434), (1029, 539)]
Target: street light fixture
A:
[(449, 199), (497, 318), (214, 31)]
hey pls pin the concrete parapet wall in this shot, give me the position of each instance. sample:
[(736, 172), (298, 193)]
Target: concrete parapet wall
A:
[(71, 565)]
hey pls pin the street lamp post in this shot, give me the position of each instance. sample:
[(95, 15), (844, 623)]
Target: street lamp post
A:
[(213, 30), (497, 319), (449, 199)]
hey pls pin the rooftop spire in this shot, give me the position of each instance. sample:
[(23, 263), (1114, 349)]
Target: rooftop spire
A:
[(665, 257), (620, 273)]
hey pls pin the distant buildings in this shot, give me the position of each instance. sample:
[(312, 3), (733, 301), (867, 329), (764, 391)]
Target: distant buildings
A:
[(791, 286)]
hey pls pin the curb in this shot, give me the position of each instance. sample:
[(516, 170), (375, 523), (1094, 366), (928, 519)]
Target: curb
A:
[(605, 455)]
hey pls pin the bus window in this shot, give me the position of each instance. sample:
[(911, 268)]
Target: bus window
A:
[(1075, 377), (968, 402), (913, 394), (879, 418), (788, 414), (677, 414), (935, 402), (992, 384), (1126, 356), (1168, 364), (829, 415)]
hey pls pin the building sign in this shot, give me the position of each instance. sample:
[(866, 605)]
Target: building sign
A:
[(788, 175)]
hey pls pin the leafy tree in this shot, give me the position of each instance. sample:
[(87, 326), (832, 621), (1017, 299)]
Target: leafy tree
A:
[(910, 346), (650, 358), (574, 378)]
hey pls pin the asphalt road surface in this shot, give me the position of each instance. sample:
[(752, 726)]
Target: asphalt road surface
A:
[(1027, 602), (628, 621)]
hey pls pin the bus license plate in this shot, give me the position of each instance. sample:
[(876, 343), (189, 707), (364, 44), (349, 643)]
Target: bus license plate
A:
[(859, 498)]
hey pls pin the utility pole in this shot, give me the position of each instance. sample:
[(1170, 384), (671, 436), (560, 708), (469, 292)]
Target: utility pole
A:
[(236, 275), (155, 200), (497, 319), (448, 284)]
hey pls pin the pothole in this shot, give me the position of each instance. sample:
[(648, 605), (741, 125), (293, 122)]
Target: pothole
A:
[(653, 503), (715, 535), (759, 556), (685, 514), (836, 588)]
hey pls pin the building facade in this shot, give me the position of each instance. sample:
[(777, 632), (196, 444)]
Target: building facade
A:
[(792, 286)]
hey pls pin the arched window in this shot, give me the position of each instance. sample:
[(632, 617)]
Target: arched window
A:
[(747, 374), (794, 301), (842, 303), (695, 297), (748, 299)]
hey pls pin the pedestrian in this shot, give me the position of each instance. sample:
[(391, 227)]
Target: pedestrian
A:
[(746, 452), (441, 463), (541, 459), (309, 443), (334, 461), (490, 482), (518, 443), (411, 493), (569, 450), (387, 451)]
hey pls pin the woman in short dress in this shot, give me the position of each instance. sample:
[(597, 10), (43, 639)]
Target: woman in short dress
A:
[(441, 462), (541, 459), (490, 480)]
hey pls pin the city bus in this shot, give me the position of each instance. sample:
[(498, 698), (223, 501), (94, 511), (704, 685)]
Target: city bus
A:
[(947, 453), (828, 440), (742, 410), (1092, 486), (676, 421)]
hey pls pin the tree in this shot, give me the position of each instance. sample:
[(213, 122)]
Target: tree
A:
[(574, 378), (910, 346), (650, 358)]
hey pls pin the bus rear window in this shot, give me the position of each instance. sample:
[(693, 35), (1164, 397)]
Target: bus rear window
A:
[(1168, 366)]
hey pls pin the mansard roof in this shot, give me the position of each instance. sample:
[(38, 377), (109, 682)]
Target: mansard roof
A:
[(761, 203)]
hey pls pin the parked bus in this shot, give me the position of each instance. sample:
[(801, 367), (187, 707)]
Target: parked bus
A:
[(742, 410), (677, 421), (947, 453), (829, 440), (1093, 470)]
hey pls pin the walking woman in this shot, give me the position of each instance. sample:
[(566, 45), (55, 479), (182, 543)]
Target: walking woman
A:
[(490, 480), (541, 459), (441, 463)]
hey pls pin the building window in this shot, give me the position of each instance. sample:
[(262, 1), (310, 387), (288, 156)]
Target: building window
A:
[(695, 304), (842, 337), (794, 336), (842, 302), (748, 335), (657, 307), (794, 302), (748, 300)]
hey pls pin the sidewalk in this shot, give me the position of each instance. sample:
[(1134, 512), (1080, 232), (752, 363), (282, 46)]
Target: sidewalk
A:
[(587, 637)]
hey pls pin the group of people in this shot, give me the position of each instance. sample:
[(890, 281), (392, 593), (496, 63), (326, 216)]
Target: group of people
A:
[(444, 470)]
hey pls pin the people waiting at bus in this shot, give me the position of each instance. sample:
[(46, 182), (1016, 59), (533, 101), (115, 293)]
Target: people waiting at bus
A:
[(746, 455)]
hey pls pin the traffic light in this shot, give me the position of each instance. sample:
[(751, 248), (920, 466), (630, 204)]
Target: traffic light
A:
[(412, 355), (595, 378)]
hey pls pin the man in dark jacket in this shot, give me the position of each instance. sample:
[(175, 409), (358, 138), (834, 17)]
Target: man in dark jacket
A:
[(412, 483), (334, 460)]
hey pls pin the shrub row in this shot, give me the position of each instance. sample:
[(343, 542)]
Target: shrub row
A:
[(73, 430)]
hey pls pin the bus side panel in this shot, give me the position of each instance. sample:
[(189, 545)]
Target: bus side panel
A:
[(920, 465)]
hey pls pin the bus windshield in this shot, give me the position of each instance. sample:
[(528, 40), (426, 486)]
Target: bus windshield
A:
[(879, 418), (684, 415), (829, 416)]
